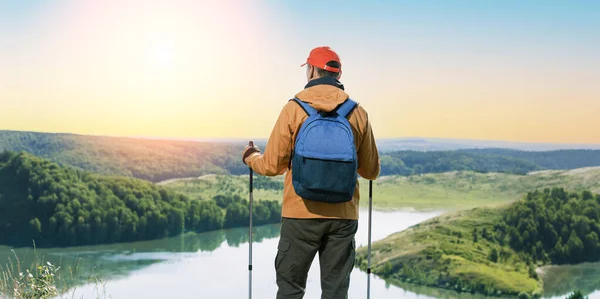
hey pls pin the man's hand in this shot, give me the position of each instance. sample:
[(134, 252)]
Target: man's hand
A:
[(249, 150)]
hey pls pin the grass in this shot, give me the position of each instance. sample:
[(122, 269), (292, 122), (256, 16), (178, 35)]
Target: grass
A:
[(466, 189), (210, 185), (442, 252), (40, 280), (448, 191)]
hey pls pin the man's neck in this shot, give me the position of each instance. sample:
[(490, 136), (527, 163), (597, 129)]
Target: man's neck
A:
[(325, 80)]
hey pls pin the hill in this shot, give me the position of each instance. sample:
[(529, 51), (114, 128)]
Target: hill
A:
[(63, 206), (159, 160), (148, 159), (557, 159), (412, 162), (493, 251), (486, 160)]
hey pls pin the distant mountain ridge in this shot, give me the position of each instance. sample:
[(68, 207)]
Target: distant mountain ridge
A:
[(428, 144), (433, 144), (384, 144), (440, 144)]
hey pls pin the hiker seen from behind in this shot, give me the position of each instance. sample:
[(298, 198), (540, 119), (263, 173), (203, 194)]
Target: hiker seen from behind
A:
[(322, 140)]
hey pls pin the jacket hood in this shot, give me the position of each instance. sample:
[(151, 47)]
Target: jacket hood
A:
[(323, 94)]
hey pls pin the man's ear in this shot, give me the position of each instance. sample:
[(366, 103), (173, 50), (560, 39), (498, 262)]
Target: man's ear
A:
[(311, 72)]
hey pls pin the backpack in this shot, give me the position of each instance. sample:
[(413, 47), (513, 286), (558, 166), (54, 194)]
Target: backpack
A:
[(324, 160)]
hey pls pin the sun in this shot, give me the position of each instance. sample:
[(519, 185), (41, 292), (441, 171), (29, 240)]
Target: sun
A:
[(161, 54)]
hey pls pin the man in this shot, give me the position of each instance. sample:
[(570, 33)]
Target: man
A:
[(309, 226)]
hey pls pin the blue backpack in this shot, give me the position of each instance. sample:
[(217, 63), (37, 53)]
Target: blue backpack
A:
[(324, 160)]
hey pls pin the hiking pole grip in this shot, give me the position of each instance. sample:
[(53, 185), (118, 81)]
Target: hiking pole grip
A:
[(251, 144), (369, 249)]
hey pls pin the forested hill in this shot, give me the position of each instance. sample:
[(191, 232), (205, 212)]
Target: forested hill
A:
[(494, 251), (412, 162), (152, 160), (159, 160), (557, 159), (61, 206)]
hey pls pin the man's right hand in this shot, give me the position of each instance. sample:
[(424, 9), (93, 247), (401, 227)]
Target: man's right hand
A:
[(249, 150)]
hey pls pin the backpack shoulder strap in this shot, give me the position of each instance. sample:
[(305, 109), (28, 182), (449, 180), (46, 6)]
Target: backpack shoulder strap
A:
[(305, 106), (309, 111), (346, 108)]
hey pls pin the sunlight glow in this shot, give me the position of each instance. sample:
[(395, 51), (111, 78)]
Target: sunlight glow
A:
[(161, 54), (226, 68)]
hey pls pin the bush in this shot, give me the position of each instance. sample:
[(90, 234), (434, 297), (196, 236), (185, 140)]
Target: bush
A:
[(494, 255), (576, 295), (523, 295)]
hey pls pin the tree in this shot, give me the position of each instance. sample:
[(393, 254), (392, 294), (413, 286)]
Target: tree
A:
[(485, 234), (591, 245), (223, 200), (236, 215), (592, 213), (35, 225), (575, 247), (532, 272), (494, 255), (261, 213), (576, 295)]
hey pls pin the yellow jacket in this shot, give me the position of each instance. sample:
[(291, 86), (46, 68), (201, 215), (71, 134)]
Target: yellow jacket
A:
[(277, 154)]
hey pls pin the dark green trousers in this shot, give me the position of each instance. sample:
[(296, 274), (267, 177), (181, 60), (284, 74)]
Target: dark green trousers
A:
[(300, 240)]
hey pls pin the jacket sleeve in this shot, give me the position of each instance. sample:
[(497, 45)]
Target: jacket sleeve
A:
[(369, 164), (274, 161)]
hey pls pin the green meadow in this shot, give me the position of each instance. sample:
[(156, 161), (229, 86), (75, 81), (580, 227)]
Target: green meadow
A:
[(434, 191)]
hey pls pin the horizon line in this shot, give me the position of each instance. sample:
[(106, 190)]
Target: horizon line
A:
[(240, 139)]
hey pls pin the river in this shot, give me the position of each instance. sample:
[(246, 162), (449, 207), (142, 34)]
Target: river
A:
[(214, 265)]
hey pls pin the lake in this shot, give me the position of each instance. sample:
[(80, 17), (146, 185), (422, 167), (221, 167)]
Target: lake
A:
[(215, 265)]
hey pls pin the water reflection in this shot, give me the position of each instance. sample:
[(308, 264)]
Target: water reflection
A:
[(433, 292), (80, 265), (560, 280), (237, 236)]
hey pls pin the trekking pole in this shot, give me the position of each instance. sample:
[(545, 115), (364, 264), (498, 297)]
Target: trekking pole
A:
[(251, 144), (369, 250)]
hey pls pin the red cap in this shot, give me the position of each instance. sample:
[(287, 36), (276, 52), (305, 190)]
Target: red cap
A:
[(320, 56)]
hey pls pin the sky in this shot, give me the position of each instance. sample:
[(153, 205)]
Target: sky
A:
[(497, 70)]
